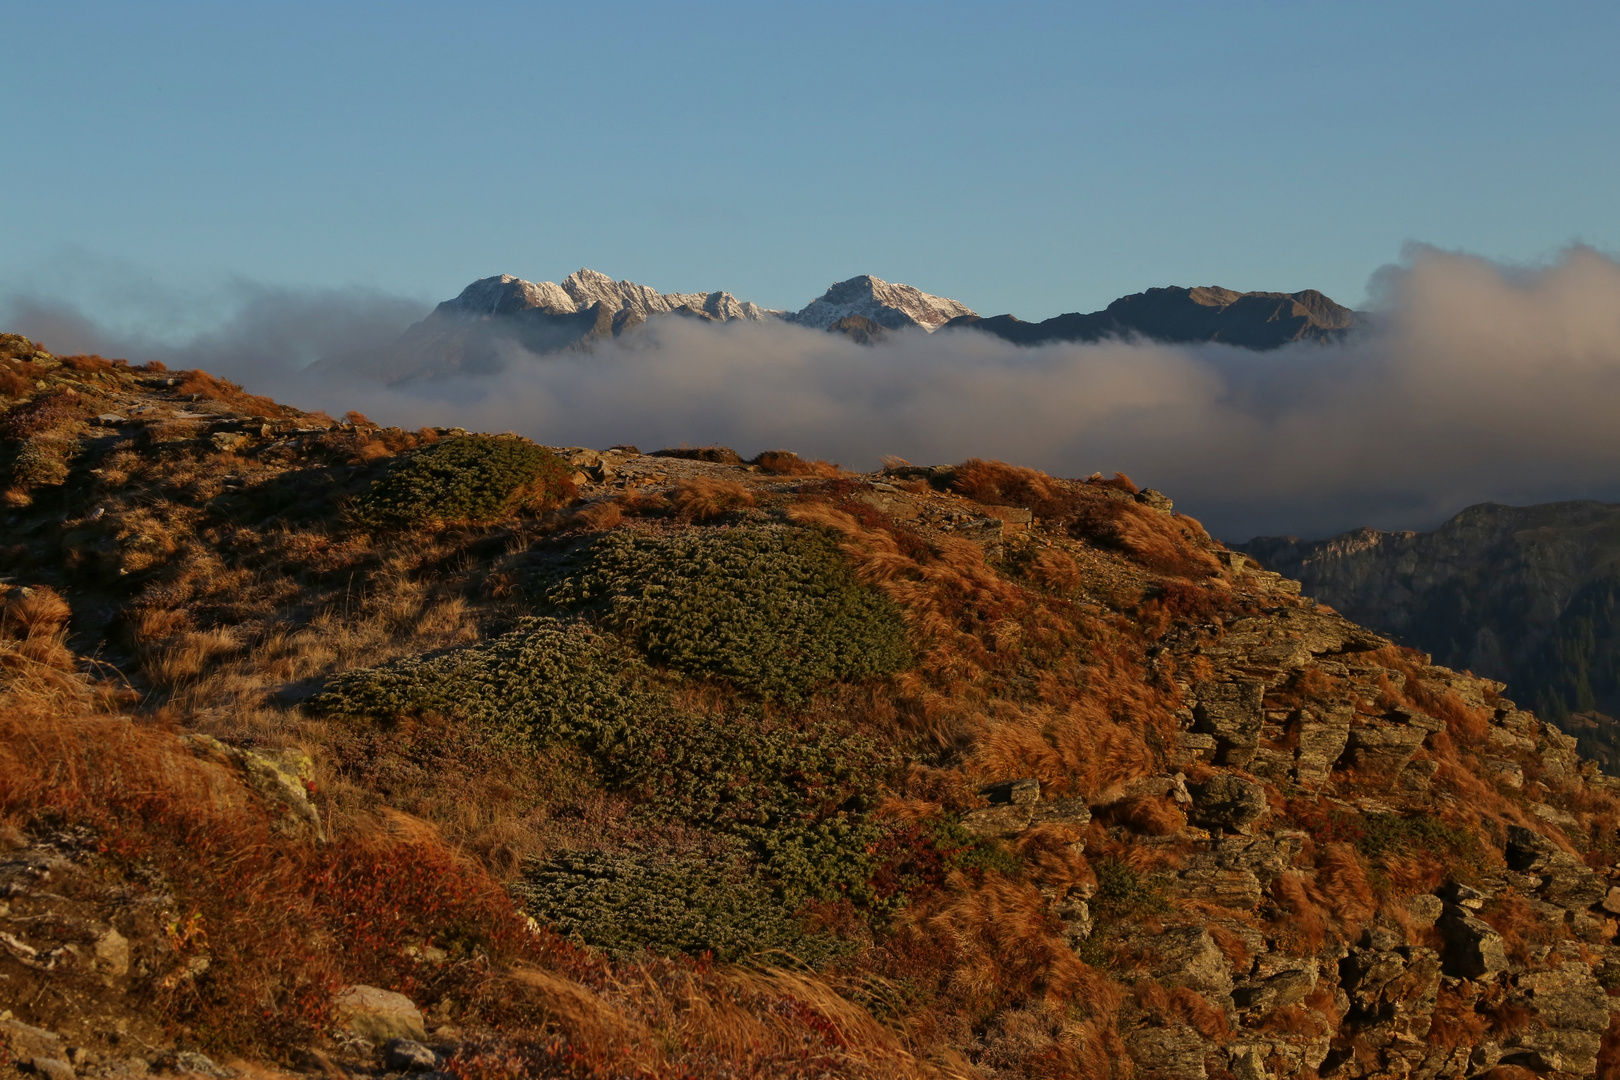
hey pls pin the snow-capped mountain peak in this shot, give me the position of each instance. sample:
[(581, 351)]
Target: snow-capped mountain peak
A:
[(508, 295), (893, 306)]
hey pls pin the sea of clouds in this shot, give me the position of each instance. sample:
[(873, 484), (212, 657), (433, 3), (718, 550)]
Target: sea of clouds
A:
[(1474, 382)]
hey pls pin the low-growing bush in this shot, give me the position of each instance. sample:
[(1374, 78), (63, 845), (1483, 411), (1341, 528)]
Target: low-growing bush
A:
[(798, 792), (624, 903), (473, 479), (544, 681), (1122, 894), (774, 611)]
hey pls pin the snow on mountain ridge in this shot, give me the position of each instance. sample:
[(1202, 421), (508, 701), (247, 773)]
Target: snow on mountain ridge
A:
[(507, 295), (890, 305)]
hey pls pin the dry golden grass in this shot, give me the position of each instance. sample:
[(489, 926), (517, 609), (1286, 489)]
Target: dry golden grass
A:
[(701, 498), (1150, 815), (599, 516), (1054, 569), (787, 463)]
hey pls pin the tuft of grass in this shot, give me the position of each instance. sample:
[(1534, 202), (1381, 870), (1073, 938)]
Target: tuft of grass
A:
[(702, 498), (787, 463), (472, 479)]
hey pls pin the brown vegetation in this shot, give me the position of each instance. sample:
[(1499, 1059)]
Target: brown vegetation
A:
[(701, 498), (787, 463)]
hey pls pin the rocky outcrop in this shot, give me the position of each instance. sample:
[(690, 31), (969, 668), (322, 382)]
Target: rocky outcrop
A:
[(1299, 703), (1016, 807), (1525, 595)]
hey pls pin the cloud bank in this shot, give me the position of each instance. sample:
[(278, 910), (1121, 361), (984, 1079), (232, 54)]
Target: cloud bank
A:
[(1478, 382)]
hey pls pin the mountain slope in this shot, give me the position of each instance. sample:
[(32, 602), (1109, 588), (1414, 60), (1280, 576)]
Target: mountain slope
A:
[(1523, 594), (963, 771), (1255, 320)]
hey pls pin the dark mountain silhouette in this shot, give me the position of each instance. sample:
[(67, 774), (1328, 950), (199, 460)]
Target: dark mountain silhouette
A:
[(1254, 320)]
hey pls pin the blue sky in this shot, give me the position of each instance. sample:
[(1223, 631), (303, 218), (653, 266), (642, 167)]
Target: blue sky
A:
[(1033, 158)]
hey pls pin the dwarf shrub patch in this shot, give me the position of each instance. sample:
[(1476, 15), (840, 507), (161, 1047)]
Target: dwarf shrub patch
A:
[(623, 903), (774, 611), (798, 791), (469, 479), (545, 681)]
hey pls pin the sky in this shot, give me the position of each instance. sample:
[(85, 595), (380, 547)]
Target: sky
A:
[(1024, 157)]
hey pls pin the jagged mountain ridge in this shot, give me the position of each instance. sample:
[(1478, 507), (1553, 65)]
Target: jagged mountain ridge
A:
[(1527, 595), (1252, 320), (497, 318), (508, 295)]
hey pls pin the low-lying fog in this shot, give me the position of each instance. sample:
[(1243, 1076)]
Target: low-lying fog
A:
[(1478, 382)]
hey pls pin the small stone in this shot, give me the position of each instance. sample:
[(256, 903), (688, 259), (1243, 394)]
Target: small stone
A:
[(378, 1015), (112, 953), (1248, 1063), (29, 1042), (407, 1055), (1611, 902), (53, 1068), (189, 1061), (1425, 908)]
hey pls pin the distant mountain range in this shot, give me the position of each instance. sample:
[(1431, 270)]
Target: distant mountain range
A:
[(496, 317), (1253, 320), (1527, 595)]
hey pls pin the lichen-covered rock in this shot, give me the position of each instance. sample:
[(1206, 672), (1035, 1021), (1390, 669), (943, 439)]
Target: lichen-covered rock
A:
[(1393, 988), (1573, 1011), (1323, 735), (1229, 802), (1473, 947), (378, 1015), (283, 777), (1175, 1052), (1231, 711)]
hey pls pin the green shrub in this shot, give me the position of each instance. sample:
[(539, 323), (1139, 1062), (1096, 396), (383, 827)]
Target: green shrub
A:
[(624, 903), (1420, 832), (798, 792), (1122, 894), (545, 681), (469, 479), (775, 611)]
